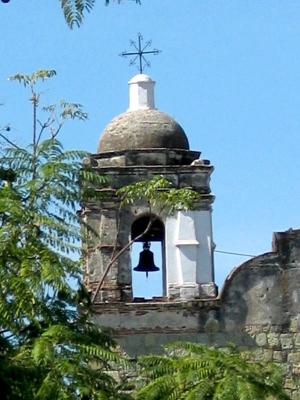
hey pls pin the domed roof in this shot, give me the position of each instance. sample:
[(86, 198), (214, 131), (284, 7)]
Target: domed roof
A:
[(142, 129)]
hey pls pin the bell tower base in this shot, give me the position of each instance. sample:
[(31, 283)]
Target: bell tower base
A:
[(193, 291)]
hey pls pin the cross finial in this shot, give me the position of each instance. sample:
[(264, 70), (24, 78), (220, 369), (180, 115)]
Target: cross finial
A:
[(139, 53)]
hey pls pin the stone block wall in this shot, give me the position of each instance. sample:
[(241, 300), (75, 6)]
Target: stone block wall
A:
[(258, 309)]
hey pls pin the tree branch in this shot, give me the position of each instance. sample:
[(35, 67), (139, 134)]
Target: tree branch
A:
[(115, 258), (9, 141), (43, 127), (55, 133)]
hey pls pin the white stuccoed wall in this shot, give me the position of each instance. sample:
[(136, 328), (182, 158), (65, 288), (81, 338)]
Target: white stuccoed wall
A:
[(189, 251), (141, 93)]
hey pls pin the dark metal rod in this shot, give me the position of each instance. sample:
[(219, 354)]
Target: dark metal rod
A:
[(141, 51), (140, 55)]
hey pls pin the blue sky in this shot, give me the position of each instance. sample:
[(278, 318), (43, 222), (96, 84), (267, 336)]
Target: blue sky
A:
[(229, 73)]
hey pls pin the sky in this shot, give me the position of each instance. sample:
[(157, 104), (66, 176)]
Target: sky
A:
[(229, 73)]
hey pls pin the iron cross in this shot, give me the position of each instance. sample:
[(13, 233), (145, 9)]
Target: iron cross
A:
[(139, 53)]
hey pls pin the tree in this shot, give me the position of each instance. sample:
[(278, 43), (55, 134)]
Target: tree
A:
[(49, 347), (74, 10), (193, 371)]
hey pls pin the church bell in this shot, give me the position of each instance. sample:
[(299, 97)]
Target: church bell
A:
[(146, 261)]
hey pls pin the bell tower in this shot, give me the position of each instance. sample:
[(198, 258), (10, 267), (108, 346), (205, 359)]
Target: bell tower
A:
[(137, 145)]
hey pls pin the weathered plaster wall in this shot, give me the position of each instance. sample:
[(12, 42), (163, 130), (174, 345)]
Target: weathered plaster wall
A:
[(110, 226), (258, 309)]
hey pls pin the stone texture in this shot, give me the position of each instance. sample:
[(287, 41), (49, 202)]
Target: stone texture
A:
[(286, 340), (257, 310), (278, 356), (297, 340), (295, 324), (208, 290), (268, 355), (142, 129), (273, 340), (261, 339), (294, 357), (295, 395)]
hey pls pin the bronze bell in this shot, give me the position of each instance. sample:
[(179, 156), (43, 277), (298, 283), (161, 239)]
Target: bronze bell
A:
[(146, 262)]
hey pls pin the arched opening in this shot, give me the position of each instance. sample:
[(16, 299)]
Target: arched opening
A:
[(148, 252)]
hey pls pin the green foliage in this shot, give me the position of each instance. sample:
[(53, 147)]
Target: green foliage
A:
[(39, 230), (74, 10), (32, 79), (49, 348), (159, 193), (72, 363), (67, 110), (57, 114), (192, 371)]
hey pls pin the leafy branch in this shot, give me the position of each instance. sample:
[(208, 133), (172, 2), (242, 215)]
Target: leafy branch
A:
[(74, 10), (193, 371), (49, 347)]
